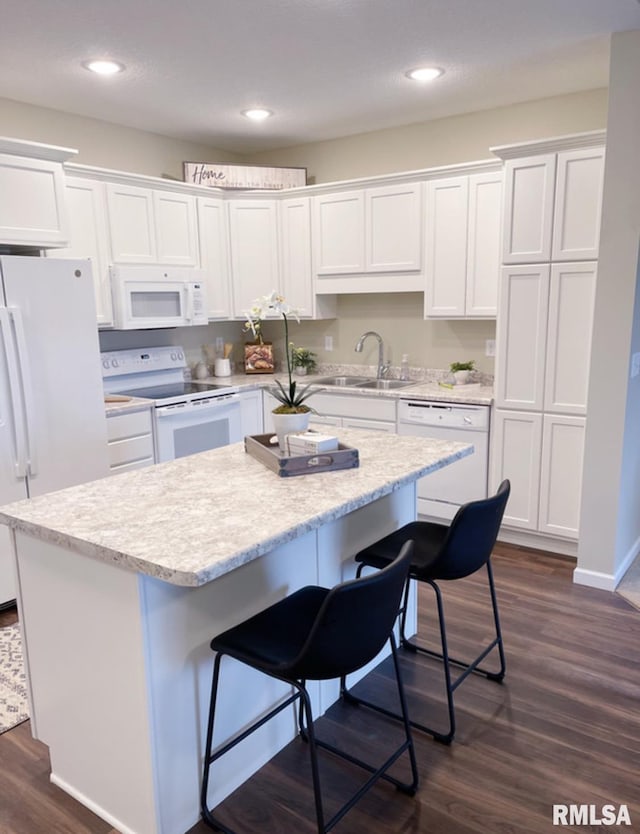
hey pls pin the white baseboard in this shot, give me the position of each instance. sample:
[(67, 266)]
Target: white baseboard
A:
[(595, 579)]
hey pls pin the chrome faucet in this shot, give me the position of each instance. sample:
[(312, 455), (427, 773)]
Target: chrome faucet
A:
[(382, 368)]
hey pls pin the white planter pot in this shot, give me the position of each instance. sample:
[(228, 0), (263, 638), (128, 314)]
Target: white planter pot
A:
[(461, 377), (285, 424), (299, 371)]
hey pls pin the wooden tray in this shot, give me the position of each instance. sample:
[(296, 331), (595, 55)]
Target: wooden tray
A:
[(259, 447)]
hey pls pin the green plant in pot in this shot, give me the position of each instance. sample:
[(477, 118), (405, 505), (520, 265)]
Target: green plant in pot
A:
[(292, 415), (303, 360), (461, 371)]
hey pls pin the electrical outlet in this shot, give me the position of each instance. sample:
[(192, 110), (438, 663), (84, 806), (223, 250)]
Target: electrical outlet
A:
[(490, 347), (635, 365), (328, 343), (219, 344)]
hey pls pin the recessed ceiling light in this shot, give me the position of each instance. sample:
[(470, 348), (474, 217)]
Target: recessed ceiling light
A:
[(102, 67), (424, 73), (258, 114)]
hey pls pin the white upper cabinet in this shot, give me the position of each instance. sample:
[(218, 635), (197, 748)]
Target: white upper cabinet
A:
[(369, 239), (213, 238), (151, 227), (521, 337), (89, 239), (463, 220), (338, 234), (393, 237), (553, 205), (570, 323), (295, 228), (528, 208), (32, 200), (578, 207), (253, 230), (176, 228)]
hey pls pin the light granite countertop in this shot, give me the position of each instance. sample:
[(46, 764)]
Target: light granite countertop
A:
[(191, 520), (117, 404)]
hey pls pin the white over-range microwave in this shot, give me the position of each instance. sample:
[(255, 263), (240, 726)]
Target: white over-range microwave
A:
[(156, 296)]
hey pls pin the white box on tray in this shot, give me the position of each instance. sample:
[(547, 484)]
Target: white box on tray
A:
[(310, 443)]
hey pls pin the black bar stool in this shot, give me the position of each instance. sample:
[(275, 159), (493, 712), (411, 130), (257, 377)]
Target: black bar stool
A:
[(445, 552), (318, 634)]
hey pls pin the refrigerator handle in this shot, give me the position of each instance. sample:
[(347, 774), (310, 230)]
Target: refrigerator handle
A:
[(20, 462), (27, 389)]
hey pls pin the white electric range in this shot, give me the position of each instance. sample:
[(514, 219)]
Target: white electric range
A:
[(188, 416)]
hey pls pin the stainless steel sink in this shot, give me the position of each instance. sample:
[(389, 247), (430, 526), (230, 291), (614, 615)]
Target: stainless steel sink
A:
[(343, 381), (384, 384)]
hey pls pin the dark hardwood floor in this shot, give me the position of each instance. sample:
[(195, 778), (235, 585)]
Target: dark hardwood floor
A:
[(563, 728)]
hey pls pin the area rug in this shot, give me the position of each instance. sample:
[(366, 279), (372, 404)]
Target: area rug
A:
[(629, 587), (14, 707)]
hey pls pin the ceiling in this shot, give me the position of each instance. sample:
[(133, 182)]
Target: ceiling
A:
[(327, 68)]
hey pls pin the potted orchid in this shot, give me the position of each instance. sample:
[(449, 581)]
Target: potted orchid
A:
[(292, 414)]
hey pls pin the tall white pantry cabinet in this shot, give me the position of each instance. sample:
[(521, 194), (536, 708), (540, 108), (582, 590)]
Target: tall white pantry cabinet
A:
[(551, 229)]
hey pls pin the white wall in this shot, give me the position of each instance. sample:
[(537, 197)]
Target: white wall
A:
[(610, 516), (103, 144)]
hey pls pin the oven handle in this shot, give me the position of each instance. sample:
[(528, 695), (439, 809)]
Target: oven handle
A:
[(198, 406)]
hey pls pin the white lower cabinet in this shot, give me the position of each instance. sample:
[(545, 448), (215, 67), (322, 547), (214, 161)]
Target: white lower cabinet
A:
[(251, 412), (542, 457), (130, 438), (561, 475), (356, 412)]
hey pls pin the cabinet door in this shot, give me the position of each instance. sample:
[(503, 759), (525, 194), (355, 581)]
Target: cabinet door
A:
[(446, 247), (131, 224), (89, 239), (253, 231), (251, 412), (368, 425), (32, 202), (484, 244), (295, 225), (393, 228), (338, 233), (213, 237), (175, 228), (521, 337), (578, 205), (561, 475), (516, 443), (528, 209), (571, 303)]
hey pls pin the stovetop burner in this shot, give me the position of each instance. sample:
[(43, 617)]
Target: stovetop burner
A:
[(176, 389)]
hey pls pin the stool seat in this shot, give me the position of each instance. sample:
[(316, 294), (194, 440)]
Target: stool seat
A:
[(445, 552), (318, 633)]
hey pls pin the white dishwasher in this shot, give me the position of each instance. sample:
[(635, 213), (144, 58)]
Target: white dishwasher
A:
[(441, 493)]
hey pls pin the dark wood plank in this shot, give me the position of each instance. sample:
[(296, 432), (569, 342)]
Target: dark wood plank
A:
[(564, 727)]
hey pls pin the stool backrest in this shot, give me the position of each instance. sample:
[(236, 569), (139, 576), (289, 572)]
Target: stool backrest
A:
[(472, 536), (354, 622)]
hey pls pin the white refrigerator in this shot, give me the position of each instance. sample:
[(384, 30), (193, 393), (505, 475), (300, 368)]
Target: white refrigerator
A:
[(53, 431)]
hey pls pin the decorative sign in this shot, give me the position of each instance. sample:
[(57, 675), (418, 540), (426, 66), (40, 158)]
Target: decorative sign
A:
[(243, 176), (258, 358)]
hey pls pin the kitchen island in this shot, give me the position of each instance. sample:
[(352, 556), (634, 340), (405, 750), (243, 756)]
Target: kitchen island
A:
[(124, 581)]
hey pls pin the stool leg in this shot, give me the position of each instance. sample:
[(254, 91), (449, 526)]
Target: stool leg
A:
[(310, 737), (496, 676), (405, 720), (204, 808)]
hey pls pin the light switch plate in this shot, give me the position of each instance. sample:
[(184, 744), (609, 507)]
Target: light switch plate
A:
[(490, 347), (328, 343), (635, 365)]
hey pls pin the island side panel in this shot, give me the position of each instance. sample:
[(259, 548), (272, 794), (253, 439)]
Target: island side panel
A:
[(180, 623), (341, 540), (81, 624)]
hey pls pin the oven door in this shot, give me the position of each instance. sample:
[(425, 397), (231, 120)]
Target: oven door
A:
[(187, 428)]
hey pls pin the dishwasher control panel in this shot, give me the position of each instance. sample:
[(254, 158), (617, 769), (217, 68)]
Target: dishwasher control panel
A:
[(447, 415)]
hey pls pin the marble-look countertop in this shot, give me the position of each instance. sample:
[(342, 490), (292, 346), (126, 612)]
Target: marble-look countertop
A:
[(191, 520), (113, 406), (472, 394)]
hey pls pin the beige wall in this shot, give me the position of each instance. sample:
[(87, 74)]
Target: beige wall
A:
[(398, 318), (103, 144), (610, 521), (444, 141)]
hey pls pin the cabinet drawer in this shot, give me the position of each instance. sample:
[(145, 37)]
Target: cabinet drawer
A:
[(133, 449), (130, 424)]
